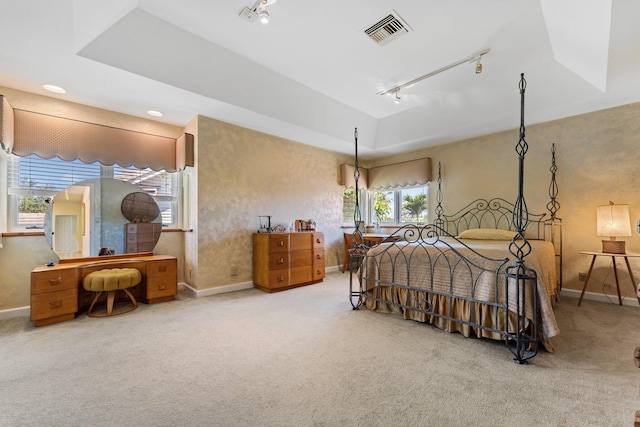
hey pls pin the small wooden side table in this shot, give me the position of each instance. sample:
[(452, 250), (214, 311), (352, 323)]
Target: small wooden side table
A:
[(615, 272)]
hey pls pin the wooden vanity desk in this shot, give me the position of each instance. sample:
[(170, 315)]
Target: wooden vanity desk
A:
[(57, 293)]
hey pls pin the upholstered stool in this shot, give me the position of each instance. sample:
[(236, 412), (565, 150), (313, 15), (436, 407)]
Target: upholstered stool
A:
[(111, 281)]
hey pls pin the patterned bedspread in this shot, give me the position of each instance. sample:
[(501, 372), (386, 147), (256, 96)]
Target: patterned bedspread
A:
[(463, 268)]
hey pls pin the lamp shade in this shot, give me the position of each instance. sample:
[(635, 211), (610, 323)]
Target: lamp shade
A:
[(613, 220)]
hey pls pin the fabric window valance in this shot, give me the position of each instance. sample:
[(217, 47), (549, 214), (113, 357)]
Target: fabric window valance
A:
[(50, 136), (404, 174), (347, 179)]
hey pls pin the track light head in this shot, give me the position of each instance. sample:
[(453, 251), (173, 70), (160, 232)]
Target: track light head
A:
[(264, 16), (397, 99), (257, 12), (479, 65)]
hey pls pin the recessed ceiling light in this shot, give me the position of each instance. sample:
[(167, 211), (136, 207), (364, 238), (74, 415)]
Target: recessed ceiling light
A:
[(155, 113), (55, 89)]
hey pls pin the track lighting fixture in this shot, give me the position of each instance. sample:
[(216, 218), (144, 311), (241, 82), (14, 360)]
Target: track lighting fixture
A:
[(397, 100), (479, 64), (257, 12), (473, 58), (264, 16)]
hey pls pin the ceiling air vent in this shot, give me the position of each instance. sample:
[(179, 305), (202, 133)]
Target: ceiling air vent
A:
[(387, 29)]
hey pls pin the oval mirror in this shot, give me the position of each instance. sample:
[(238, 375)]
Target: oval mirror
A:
[(86, 219)]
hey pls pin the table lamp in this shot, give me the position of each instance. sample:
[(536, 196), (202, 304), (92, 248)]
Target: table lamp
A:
[(613, 221)]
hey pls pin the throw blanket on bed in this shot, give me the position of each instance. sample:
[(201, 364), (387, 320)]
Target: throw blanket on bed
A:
[(448, 266)]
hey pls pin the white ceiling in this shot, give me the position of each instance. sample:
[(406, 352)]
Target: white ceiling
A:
[(311, 74)]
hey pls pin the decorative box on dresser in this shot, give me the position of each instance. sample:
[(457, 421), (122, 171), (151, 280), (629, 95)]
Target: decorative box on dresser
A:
[(57, 293), (287, 260)]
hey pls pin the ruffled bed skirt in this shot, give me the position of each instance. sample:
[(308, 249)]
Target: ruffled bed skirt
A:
[(483, 314)]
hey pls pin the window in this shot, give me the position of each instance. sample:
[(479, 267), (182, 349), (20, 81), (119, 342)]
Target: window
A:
[(349, 205), (383, 204), (33, 181), (415, 205), (399, 206)]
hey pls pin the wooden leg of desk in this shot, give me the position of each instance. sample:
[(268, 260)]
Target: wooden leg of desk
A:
[(586, 281), (633, 280)]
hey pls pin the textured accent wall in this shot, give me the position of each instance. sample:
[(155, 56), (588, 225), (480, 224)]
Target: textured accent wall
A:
[(242, 174)]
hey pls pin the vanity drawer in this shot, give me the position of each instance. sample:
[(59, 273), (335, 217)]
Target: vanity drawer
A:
[(168, 267), (161, 286), (52, 304), (54, 280)]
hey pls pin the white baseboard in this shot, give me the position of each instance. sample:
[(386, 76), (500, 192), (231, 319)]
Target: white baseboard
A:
[(592, 296), (15, 312), (200, 293)]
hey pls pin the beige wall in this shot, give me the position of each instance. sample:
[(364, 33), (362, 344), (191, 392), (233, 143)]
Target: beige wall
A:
[(242, 174), (598, 160)]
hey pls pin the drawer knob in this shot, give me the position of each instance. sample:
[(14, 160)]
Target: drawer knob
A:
[(162, 269), (281, 243), (280, 278), (318, 241), (162, 287), (56, 281), (318, 256), (55, 304), (281, 261)]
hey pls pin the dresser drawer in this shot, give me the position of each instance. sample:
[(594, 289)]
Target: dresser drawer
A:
[(161, 286), (278, 260), (318, 240), (300, 258), (300, 241), (52, 304), (278, 242), (278, 279), (54, 280), (301, 275), (318, 272), (318, 257), (168, 267), (141, 238)]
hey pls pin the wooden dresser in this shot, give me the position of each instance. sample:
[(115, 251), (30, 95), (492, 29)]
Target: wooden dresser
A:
[(142, 237), (57, 293), (287, 260)]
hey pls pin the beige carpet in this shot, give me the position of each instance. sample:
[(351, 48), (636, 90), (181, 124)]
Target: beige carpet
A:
[(304, 358)]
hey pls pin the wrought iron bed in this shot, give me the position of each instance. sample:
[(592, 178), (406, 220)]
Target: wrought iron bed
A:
[(483, 287)]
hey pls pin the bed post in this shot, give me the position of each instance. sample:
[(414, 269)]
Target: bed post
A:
[(554, 223), (439, 211), (359, 249), (520, 278)]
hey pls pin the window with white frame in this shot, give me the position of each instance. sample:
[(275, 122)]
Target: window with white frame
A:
[(32, 181), (406, 205), (349, 205)]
